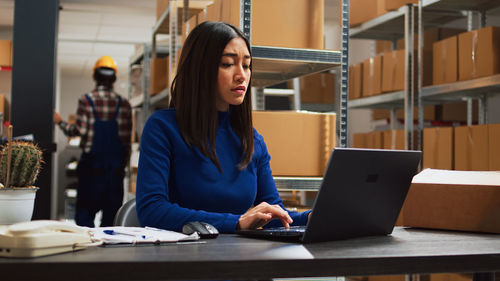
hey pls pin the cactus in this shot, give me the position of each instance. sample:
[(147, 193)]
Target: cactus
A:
[(25, 164)]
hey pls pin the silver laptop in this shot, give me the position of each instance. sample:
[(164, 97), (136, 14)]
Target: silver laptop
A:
[(362, 193)]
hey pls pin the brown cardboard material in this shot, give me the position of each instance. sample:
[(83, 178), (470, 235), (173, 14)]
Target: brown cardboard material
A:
[(478, 53), (438, 148), (2, 108), (394, 139), (445, 61), (158, 76), (299, 143), (375, 140), (391, 5), (431, 36), (471, 148), (429, 113), (372, 76), (454, 200), (361, 11), (161, 6), (382, 46), (456, 112), (494, 147), (356, 81), (393, 70), (359, 140), (450, 277), (5, 53), (281, 23), (317, 88)]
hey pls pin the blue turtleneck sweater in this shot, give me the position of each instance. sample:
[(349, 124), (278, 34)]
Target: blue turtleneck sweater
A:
[(177, 184)]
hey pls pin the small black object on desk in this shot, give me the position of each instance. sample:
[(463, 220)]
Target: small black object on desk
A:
[(205, 230)]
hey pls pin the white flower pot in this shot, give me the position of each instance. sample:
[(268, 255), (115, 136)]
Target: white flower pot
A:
[(16, 204)]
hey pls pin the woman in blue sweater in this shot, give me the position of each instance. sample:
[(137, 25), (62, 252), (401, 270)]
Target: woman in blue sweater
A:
[(201, 160)]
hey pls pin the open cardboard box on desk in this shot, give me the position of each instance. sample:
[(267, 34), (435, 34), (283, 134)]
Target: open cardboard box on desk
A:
[(454, 200)]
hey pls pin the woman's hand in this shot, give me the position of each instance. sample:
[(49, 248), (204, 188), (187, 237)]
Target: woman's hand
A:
[(261, 214), (57, 118)]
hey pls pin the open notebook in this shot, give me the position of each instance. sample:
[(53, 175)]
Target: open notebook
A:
[(362, 193)]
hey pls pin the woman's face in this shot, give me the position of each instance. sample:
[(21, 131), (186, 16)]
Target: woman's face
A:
[(234, 74)]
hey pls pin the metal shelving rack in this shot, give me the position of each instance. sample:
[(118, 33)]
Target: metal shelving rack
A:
[(428, 13), (270, 65)]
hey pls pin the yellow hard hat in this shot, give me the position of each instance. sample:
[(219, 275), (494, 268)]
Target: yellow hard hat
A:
[(106, 61)]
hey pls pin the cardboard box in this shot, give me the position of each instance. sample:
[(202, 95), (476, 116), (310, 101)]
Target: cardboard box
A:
[(494, 147), (454, 200), (394, 139), (161, 6), (5, 53), (359, 140), (2, 108), (158, 75), (456, 112), (429, 113), (445, 61), (382, 46), (450, 277), (390, 5), (317, 88), (300, 143), (431, 36), (478, 53), (375, 140), (393, 71), (372, 76), (471, 148), (356, 81), (438, 148), (387, 278), (281, 23), (361, 11)]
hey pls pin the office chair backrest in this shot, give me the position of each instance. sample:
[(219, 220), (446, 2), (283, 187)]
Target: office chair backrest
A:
[(127, 215)]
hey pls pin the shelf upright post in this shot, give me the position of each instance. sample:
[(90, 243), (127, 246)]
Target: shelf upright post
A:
[(148, 55), (483, 99), (344, 76), (246, 27), (296, 94), (418, 97), (172, 48), (409, 77)]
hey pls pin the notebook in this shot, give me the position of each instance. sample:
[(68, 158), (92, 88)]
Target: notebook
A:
[(362, 193)]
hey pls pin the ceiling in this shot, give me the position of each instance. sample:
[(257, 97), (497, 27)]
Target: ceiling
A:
[(89, 29)]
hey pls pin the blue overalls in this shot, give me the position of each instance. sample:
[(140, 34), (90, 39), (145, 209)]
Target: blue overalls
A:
[(101, 173)]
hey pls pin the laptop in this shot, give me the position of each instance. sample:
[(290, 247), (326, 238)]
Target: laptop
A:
[(362, 193)]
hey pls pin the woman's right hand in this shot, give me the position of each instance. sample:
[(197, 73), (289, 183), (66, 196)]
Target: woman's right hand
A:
[(261, 214)]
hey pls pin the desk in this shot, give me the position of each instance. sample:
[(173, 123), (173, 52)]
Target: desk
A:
[(232, 257)]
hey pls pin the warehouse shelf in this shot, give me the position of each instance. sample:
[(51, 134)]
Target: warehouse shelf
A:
[(158, 100), (162, 26), (436, 94), (298, 183), (272, 65), (138, 56), (435, 13)]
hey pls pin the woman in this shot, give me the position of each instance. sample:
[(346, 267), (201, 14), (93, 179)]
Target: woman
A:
[(201, 160)]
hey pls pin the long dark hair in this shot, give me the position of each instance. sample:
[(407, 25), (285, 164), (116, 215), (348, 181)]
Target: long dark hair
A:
[(194, 91)]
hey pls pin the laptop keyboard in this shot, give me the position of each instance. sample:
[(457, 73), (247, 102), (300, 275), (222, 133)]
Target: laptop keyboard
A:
[(282, 231)]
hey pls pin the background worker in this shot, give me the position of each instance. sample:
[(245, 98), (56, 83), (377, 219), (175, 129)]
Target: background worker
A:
[(104, 123)]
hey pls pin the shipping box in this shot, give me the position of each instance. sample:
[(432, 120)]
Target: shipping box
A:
[(393, 71), (372, 76), (429, 113), (317, 88), (445, 61), (456, 111), (158, 75), (471, 148), (280, 23), (361, 11), (394, 139), (391, 5), (375, 140), (161, 6), (494, 146), (438, 148), (479, 53), (300, 143), (359, 140), (454, 200), (5, 53), (356, 81)]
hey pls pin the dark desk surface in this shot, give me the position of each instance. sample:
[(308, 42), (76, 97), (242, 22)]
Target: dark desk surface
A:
[(233, 257)]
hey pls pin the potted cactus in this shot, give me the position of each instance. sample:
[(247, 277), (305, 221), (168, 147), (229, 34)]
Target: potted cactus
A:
[(20, 163)]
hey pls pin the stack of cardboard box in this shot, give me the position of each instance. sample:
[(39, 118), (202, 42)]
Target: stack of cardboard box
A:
[(5, 53), (362, 11)]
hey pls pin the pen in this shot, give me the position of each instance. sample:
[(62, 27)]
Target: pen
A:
[(113, 232)]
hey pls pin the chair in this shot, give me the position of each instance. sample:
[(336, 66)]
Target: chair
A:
[(127, 215)]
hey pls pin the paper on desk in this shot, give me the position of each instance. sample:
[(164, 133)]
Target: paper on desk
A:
[(133, 235)]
